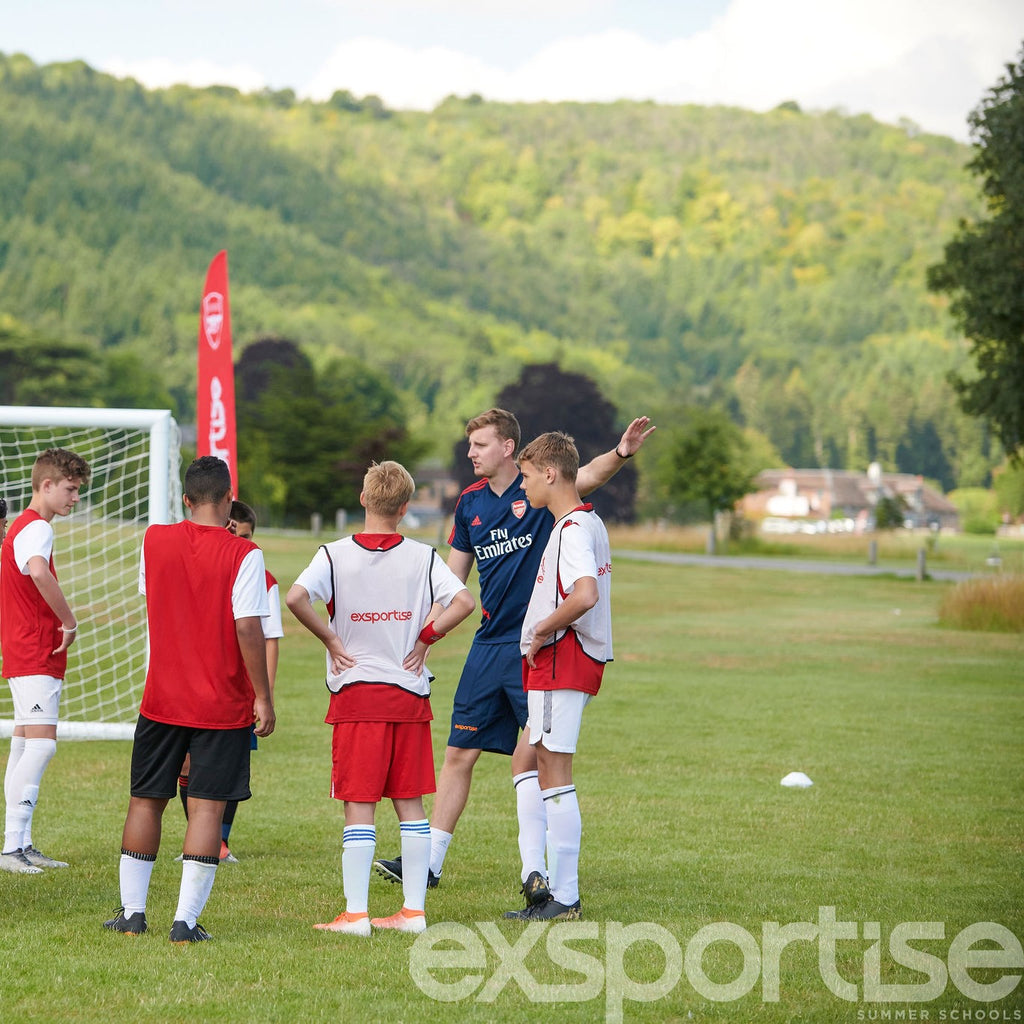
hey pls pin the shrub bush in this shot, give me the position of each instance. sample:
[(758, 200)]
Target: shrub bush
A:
[(992, 603)]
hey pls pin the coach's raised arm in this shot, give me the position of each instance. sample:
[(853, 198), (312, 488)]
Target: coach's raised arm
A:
[(603, 467)]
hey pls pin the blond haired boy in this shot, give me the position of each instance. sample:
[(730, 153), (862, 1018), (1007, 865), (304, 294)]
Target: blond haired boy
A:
[(379, 588)]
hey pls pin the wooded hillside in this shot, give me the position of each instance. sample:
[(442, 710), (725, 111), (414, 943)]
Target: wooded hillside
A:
[(774, 262)]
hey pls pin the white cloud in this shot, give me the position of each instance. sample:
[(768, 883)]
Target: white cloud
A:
[(405, 78), (929, 62), (605, 66), (489, 8), (893, 58), (161, 72)]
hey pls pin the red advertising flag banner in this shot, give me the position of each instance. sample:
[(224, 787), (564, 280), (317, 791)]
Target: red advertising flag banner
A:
[(215, 405)]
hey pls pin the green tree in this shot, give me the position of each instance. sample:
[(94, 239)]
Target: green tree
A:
[(760, 452), (890, 511), (40, 370), (268, 364), (37, 370), (305, 438), (270, 374), (1008, 483), (978, 508), (130, 382), (983, 269), (776, 401), (707, 461)]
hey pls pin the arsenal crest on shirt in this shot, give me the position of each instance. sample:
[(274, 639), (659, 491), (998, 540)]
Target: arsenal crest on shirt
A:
[(519, 508)]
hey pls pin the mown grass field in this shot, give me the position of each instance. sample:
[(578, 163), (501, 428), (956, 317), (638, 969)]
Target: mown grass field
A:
[(722, 684)]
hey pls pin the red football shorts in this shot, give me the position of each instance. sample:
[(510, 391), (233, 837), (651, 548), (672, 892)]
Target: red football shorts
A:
[(564, 665), (373, 760)]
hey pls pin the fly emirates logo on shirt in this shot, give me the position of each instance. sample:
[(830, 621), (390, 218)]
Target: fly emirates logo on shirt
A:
[(501, 544)]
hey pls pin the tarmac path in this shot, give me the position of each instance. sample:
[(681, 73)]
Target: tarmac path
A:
[(788, 565)]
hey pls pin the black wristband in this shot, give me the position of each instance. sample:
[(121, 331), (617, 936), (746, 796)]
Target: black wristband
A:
[(621, 456)]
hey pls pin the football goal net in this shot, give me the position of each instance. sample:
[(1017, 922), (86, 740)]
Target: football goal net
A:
[(136, 466)]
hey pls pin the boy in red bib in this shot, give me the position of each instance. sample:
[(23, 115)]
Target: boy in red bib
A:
[(379, 588), (206, 594), (37, 627), (242, 523)]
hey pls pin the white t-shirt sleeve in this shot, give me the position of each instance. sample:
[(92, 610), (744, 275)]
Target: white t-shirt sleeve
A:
[(249, 593), (34, 539), (577, 557), (315, 579), (273, 628)]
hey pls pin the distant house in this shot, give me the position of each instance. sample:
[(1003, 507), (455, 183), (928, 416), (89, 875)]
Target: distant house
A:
[(825, 495)]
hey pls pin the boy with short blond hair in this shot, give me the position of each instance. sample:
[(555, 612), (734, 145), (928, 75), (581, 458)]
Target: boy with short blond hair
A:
[(37, 627), (379, 588), (566, 642)]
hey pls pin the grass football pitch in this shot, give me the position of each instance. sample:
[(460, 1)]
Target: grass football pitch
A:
[(695, 859)]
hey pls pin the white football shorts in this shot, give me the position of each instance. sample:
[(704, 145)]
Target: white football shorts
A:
[(36, 699), (555, 716)]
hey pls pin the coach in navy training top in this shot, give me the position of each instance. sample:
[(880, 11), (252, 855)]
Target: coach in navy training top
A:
[(505, 536)]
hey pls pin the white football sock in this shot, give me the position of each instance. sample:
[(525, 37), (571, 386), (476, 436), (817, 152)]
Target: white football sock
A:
[(550, 850), (566, 825), (135, 872), (357, 850), (196, 882), (533, 823), (415, 861), (439, 842), (25, 780), (17, 749)]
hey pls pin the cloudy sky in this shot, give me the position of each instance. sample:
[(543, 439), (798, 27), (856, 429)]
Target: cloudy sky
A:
[(927, 60)]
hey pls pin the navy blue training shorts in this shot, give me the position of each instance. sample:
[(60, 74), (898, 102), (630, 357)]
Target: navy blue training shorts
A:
[(490, 703), (219, 761)]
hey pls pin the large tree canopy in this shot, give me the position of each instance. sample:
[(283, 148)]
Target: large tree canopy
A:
[(705, 461), (36, 369), (983, 270), (305, 439), (43, 371)]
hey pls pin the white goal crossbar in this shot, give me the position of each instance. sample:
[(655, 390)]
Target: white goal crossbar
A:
[(135, 462)]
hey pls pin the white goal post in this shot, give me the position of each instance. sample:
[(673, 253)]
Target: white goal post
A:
[(134, 456)]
